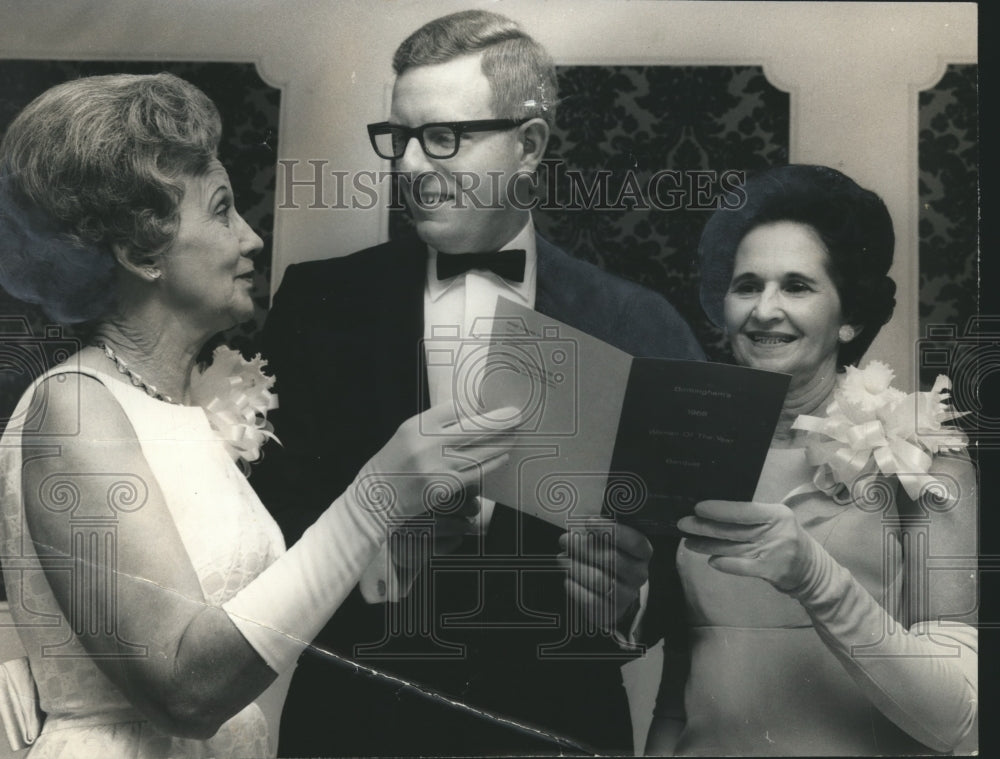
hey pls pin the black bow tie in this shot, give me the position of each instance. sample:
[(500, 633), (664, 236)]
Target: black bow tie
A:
[(508, 264)]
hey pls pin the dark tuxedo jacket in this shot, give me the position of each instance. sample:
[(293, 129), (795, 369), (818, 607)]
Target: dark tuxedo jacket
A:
[(480, 657)]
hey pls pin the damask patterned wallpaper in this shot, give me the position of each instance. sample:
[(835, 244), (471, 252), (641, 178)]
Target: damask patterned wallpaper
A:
[(949, 206), (698, 121), (249, 110)]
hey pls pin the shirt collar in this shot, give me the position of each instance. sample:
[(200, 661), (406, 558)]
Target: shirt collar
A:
[(524, 240)]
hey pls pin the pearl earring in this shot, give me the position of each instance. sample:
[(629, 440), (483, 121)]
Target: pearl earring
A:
[(846, 333), (152, 273)]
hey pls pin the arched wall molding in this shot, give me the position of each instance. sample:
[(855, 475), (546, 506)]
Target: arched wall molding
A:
[(854, 72), (880, 101)]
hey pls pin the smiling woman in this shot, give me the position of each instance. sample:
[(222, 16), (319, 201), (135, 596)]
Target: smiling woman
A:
[(850, 224), (799, 640), (782, 310)]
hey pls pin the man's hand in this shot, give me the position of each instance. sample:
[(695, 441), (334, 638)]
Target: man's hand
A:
[(607, 563), (449, 531)]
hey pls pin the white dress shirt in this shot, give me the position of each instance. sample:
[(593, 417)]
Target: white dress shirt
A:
[(451, 308)]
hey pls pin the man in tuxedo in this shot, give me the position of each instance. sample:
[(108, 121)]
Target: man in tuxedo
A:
[(484, 633)]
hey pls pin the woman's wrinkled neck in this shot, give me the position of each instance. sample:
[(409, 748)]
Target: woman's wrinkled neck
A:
[(810, 396), (153, 346)]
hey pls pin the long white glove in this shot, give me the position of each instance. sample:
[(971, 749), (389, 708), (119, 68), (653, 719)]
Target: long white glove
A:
[(924, 679), (284, 608)]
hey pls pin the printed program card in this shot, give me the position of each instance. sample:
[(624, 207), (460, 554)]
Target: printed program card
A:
[(605, 433)]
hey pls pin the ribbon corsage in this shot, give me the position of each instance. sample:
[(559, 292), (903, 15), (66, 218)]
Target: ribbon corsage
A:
[(236, 396), (872, 427)]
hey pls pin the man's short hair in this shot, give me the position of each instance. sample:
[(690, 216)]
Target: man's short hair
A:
[(520, 72)]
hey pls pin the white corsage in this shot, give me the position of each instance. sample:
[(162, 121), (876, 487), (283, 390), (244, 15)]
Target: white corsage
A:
[(872, 427), (236, 396)]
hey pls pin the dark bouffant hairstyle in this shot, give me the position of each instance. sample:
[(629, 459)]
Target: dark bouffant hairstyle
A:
[(89, 164), (852, 222), (521, 73)]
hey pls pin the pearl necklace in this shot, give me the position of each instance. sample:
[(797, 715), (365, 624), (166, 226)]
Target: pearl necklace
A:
[(136, 380)]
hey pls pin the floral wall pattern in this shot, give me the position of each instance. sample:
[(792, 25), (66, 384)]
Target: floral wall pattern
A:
[(949, 204), (249, 110), (700, 121)]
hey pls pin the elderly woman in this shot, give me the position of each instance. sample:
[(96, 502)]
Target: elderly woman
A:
[(815, 623), (150, 587)]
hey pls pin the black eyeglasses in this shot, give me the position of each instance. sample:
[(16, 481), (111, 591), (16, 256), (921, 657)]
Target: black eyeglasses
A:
[(440, 139)]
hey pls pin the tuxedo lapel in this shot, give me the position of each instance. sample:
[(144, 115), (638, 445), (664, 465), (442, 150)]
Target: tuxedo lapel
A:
[(547, 264), (400, 371), (556, 279)]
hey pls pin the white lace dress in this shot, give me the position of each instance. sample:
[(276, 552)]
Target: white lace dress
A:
[(229, 537)]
